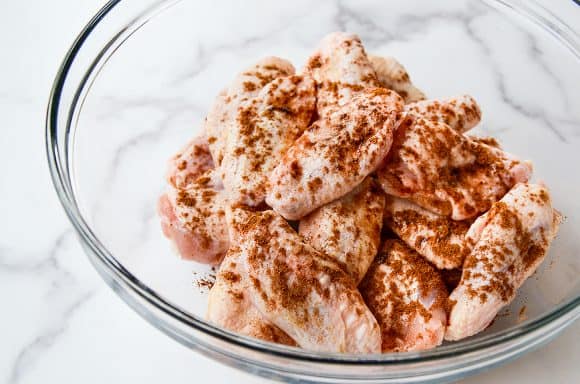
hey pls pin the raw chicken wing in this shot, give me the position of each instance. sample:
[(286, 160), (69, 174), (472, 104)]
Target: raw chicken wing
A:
[(348, 229), (445, 172), (510, 241), (408, 298), (302, 291), (335, 154)]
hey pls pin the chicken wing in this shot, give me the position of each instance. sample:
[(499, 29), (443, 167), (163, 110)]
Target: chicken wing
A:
[(340, 68), (510, 241), (460, 113), (265, 127), (392, 75), (302, 291), (189, 163), (229, 306), (335, 154), (408, 298), (437, 238), (445, 172), (193, 218), (246, 85), (348, 229)]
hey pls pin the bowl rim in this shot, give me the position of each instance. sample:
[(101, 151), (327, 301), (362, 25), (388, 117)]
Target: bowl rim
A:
[(570, 309)]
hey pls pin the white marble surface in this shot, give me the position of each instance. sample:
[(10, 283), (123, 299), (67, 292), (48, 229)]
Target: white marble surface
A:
[(60, 322)]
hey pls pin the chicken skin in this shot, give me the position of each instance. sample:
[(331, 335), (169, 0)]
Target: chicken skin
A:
[(408, 298), (230, 307), (247, 85), (335, 154), (460, 113), (485, 140), (445, 172), (300, 290), (437, 238), (509, 243), (348, 229), (193, 218), (189, 163), (392, 75), (265, 127), (341, 69)]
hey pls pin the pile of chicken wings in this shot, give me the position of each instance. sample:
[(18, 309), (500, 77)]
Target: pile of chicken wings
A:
[(338, 200)]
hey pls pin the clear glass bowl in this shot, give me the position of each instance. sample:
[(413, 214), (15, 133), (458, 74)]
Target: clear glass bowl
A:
[(138, 81)]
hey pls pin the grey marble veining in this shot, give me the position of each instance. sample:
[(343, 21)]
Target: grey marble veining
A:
[(34, 350), (62, 291)]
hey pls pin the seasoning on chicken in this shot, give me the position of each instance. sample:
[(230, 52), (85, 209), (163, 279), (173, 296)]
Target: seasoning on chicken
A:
[(509, 243), (335, 154), (229, 307), (355, 152), (486, 140), (341, 69), (299, 289), (392, 75), (460, 113), (246, 85), (445, 172), (437, 238), (408, 298), (189, 163), (264, 128), (193, 218), (348, 229)]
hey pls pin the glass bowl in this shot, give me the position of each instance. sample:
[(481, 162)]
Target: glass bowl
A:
[(136, 85)]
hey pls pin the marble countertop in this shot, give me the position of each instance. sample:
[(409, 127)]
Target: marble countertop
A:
[(61, 323)]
